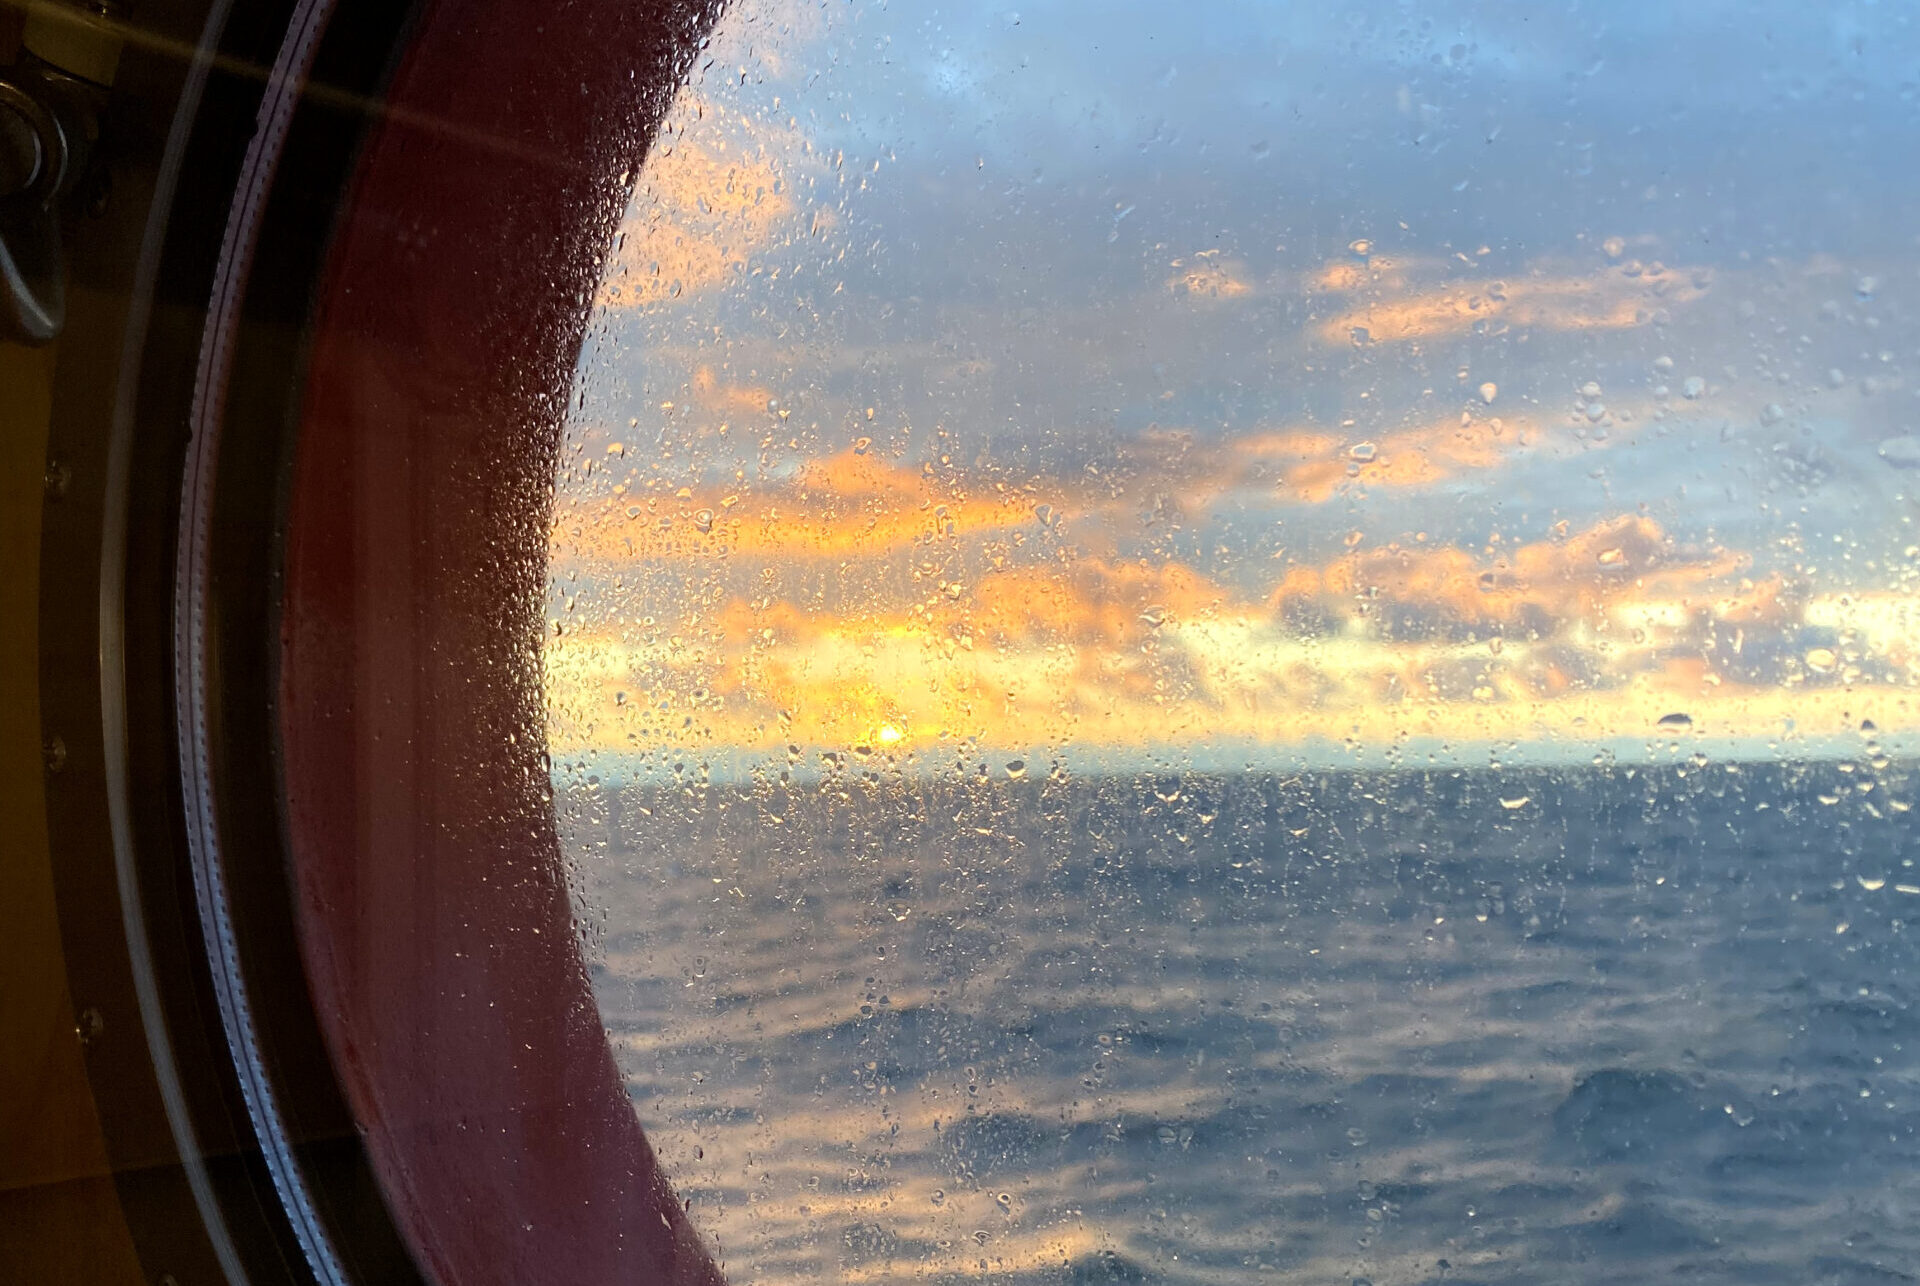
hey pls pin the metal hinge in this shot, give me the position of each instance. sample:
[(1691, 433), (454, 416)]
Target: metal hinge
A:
[(51, 99)]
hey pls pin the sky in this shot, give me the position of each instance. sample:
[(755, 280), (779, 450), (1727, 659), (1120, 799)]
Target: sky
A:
[(1066, 387)]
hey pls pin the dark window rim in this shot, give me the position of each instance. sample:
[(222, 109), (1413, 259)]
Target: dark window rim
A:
[(249, 1116)]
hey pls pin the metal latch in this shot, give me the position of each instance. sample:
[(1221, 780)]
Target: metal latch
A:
[(50, 105)]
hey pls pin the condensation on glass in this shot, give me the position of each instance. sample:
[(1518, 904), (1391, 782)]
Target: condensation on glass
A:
[(1260, 642)]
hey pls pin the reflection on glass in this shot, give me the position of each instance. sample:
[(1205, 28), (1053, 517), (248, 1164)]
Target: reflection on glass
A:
[(1272, 641)]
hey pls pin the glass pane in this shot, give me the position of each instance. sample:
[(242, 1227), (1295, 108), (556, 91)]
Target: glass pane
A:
[(1200, 644)]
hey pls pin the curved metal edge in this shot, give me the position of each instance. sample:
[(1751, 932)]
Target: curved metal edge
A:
[(112, 644), (33, 298), (34, 307), (192, 653), (419, 840)]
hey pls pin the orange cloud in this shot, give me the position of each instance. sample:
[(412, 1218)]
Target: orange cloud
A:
[(1598, 633), (1091, 601), (843, 506), (1348, 276), (711, 194), (1409, 458), (1544, 584), (1207, 276), (740, 43), (1610, 300), (729, 399), (1313, 465)]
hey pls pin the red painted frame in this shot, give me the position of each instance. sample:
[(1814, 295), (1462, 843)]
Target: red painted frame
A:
[(435, 916)]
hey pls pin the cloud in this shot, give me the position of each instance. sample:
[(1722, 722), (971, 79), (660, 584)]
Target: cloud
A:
[(764, 38), (1402, 309), (1544, 585), (1206, 275), (858, 504), (725, 398), (1307, 464), (1315, 467), (1589, 634), (849, 505), (712, 194)]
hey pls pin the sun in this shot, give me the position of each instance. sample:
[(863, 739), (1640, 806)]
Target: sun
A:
[(890, 735)]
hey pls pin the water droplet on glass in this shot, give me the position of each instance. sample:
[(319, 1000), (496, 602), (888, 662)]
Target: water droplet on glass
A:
[(1362, 451), (1016, 768), (1362, 247), (1489, 391), (1901, 452), (1692, 387), (1515, 803), (1676, 720)]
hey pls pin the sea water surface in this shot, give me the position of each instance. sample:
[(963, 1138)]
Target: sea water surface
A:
[(1617, 1024)]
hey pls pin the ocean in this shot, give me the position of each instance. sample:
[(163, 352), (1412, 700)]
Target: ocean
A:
[(1599, 1025)]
